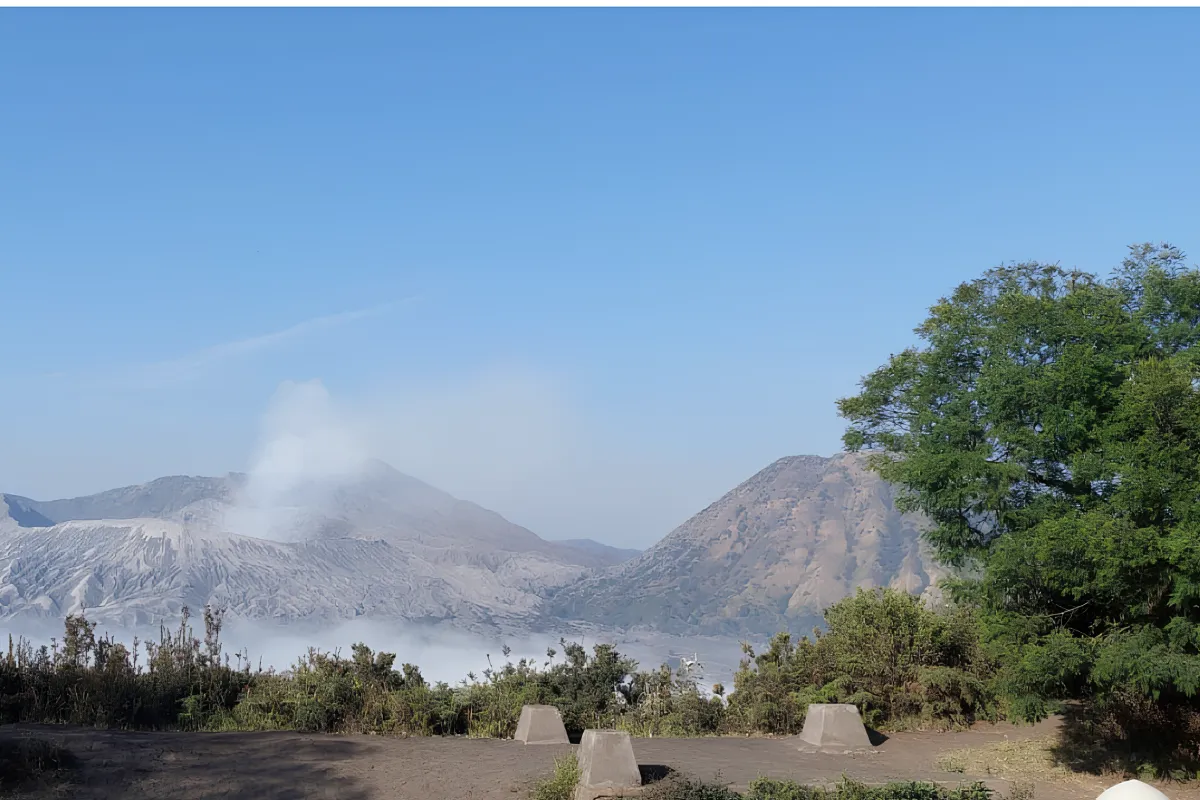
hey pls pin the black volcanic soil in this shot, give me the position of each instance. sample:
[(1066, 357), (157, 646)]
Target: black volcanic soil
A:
[(112, 765)]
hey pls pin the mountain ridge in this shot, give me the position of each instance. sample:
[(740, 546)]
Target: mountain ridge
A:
[(769, 555), (381, 544), (591, 545), (169, 494)]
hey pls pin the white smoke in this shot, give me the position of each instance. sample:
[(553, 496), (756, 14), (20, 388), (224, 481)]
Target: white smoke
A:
[(304, 439), (306, 447), (497, 434), (512, 439)]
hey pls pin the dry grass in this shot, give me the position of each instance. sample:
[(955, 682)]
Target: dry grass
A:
[(1024, 759)]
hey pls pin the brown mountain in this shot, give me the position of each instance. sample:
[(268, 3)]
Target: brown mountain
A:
[(769, 555)]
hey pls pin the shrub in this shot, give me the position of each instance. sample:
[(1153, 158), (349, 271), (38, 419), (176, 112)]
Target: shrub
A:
[(885, 652), (1126, 732), (185, 684), (87, 680), (930, 670), (560, 785), (682, 788), (670, 704), (767, 789), (585, 689)]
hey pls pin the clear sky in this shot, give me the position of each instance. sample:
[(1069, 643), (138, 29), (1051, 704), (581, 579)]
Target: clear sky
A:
[(588, 268)]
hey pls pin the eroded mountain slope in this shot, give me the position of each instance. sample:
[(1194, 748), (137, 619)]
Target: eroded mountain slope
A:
[(769, 555)]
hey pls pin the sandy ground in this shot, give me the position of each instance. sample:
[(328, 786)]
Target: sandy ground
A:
[(284, 766)]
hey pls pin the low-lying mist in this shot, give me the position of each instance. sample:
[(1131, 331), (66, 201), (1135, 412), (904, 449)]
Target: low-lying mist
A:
[(442, 653)]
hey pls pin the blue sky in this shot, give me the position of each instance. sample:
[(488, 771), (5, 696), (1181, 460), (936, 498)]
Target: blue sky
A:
[(587, 267)]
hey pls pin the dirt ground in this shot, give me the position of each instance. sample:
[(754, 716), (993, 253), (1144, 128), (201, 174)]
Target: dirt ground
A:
[(286, 766)]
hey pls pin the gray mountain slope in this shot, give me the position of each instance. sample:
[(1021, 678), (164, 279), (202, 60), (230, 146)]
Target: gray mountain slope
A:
[(615, 555), (380, 502), (158, 498), (768, 556), (384, 545), (23, 511), (140, 572)]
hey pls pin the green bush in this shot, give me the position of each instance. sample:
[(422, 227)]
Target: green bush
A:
[(185, 683), (560, 785), (766, 789), (885, 652), (682, 788), (668, 704), (93, 681), (1128, 733)]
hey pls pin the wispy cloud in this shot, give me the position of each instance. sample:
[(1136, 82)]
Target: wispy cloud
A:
[(195, 364)]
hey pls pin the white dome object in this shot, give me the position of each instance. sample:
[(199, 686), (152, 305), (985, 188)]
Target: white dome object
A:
[(1132, 790)]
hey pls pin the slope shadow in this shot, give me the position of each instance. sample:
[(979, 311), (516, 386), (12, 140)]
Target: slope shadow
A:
[(205, 766)]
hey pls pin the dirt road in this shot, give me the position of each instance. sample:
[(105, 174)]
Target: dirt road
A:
[(285, 766)]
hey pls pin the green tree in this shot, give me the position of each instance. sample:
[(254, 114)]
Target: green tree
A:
[(584, 688), (1049, 427)]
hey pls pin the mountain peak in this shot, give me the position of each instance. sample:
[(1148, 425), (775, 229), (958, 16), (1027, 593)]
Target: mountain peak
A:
[(379, 544), (770, 555)]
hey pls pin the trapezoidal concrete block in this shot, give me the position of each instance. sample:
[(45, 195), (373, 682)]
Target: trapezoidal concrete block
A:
[(607, 766), (834, 728), (541, 725), (1131, 790)]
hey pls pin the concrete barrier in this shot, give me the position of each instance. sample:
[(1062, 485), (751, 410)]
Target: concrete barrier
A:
[(541, 725), (834, 728), (607, 766), (1131, 790)]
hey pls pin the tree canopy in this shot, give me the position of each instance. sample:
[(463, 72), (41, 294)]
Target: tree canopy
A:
[(1049, 427)]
